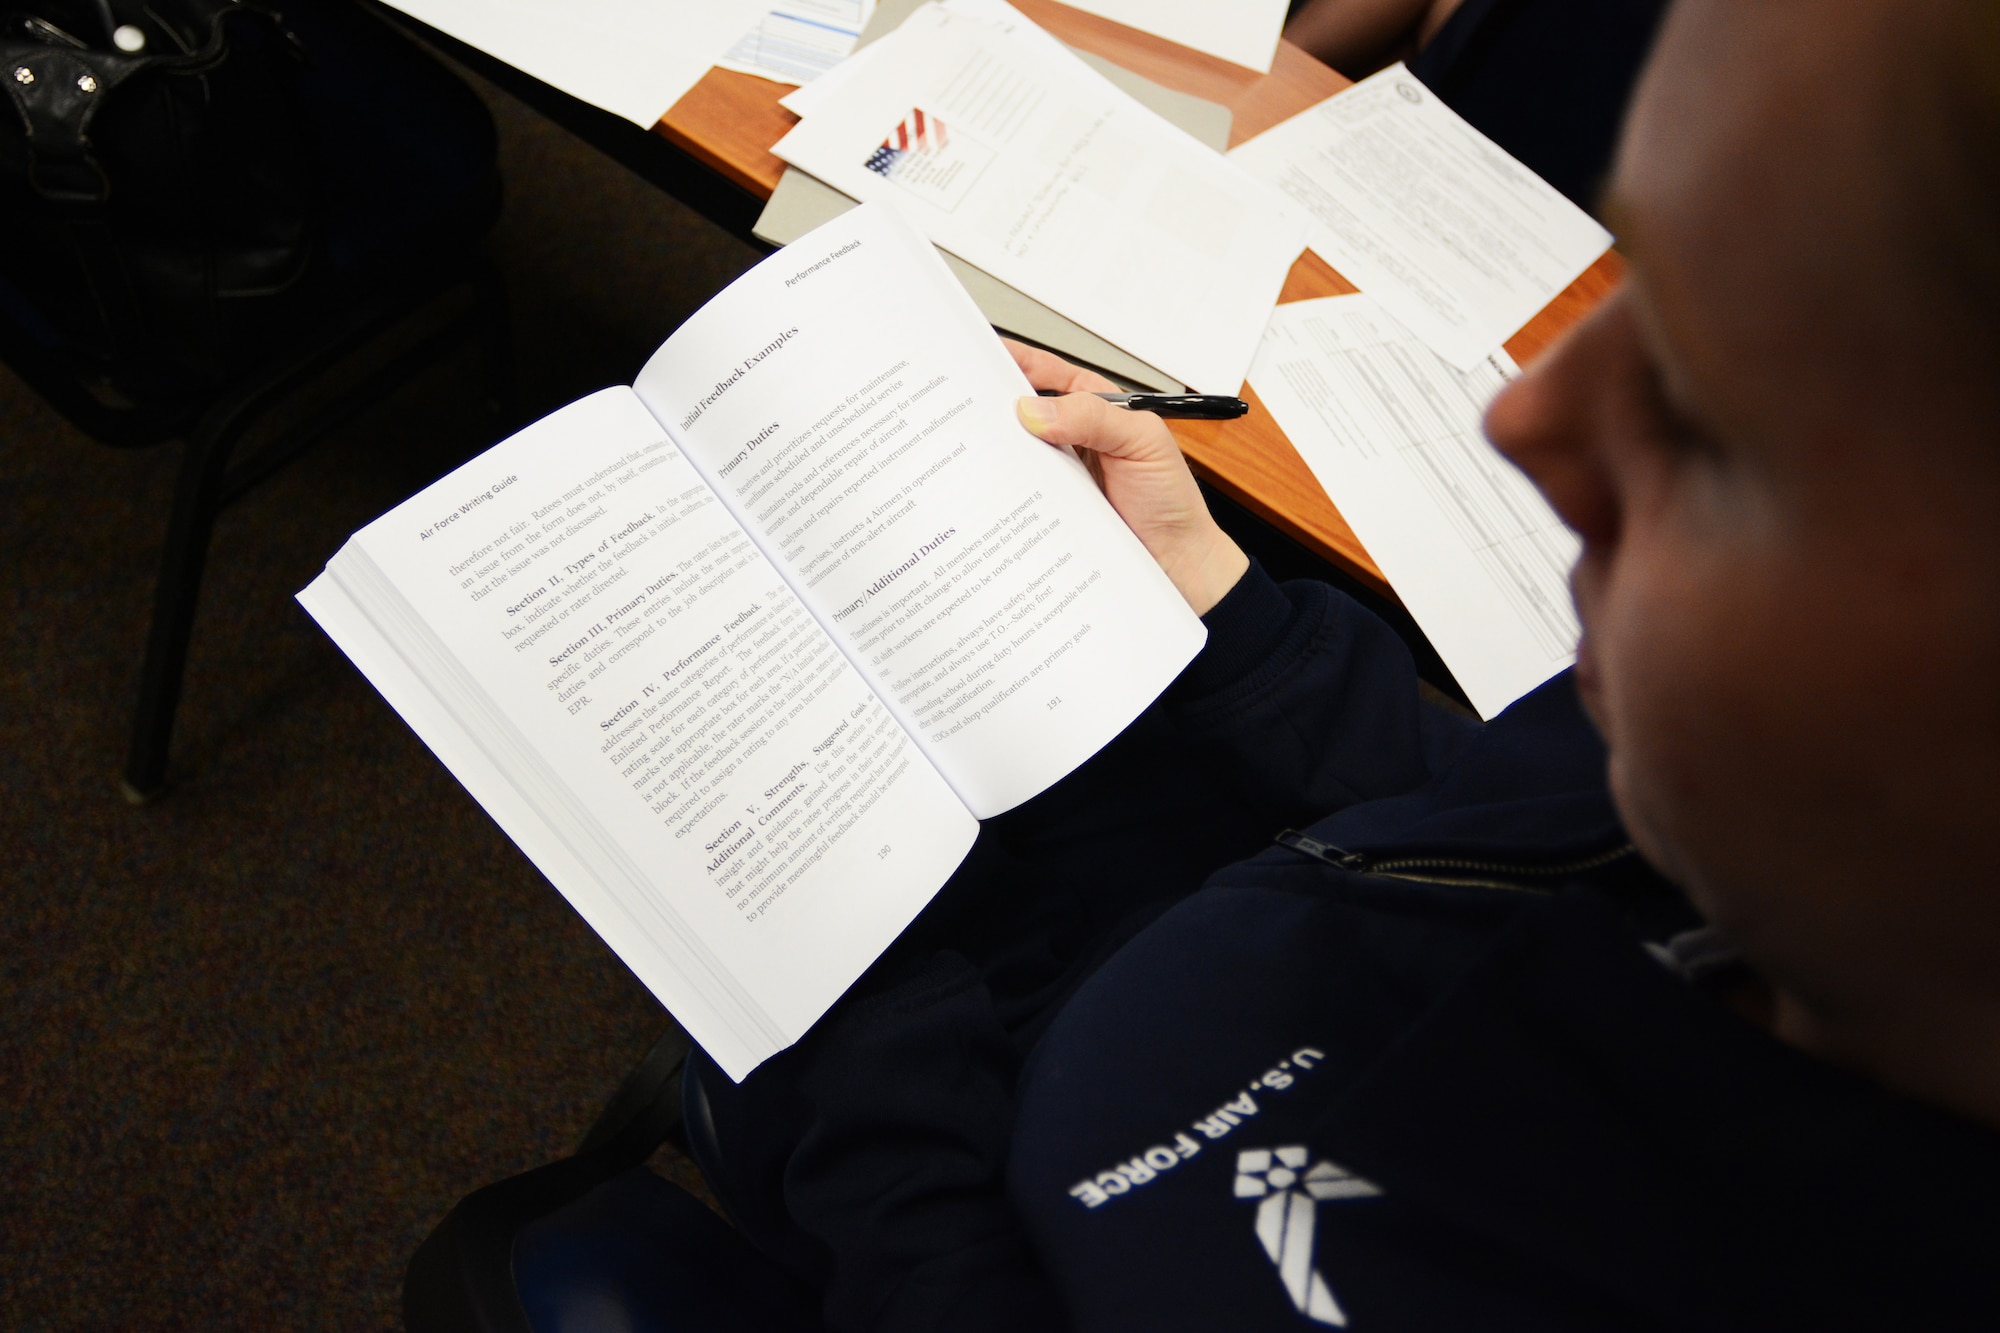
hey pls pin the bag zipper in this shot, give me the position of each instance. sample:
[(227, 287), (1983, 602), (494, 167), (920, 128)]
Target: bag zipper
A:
[(1458, 871)]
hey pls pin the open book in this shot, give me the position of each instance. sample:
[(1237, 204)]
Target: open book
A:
[(740, 655)]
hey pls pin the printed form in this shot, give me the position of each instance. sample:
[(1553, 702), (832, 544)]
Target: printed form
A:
[(1393, 435), (1455, 238), (799, 40), (1011, 153)]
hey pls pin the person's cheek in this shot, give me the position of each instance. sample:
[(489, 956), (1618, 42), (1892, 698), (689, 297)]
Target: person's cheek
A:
[(1636, 687), (1681, 634)]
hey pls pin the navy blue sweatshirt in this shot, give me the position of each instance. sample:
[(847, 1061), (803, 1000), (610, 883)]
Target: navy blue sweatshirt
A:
[(1421, 1064)]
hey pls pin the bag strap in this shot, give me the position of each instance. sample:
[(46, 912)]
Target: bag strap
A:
[(57, 90), (56, 93)]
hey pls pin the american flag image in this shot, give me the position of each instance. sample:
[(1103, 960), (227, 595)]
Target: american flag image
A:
[(918, 132)]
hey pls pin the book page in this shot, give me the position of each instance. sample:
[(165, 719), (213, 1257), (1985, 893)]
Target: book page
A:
[(1414, 206), (1393, 434), (848, 402), (1007, 150), (596, 620)]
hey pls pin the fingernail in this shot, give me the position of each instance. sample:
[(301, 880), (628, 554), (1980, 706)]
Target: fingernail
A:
[(1037, 414)]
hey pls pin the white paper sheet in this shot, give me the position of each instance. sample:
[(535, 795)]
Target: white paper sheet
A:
[(1010, 152), (803, 100), (1393, 435), (634, 58), (1454, 237), (1244, 32), (799, 40)]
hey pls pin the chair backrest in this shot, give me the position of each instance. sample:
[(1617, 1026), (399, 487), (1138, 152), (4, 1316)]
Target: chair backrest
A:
[(598, 1241), (642, 1255)]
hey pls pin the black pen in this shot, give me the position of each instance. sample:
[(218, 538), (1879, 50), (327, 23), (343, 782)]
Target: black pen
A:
[(1200, 406)]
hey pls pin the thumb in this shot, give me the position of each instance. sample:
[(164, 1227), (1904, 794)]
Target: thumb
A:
[(1085, 421)]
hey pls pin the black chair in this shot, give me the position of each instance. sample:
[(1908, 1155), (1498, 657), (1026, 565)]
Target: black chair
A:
[(408, 169), (598, 1241)]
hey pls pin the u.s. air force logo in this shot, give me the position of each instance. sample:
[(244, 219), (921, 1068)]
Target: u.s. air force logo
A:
[(1288, 1183), (1292, 1192)]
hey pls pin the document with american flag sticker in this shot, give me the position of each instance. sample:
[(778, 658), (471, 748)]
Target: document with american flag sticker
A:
[(1055, 181), (932, 163)]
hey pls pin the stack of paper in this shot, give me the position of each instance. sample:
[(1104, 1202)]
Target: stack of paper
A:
[(634, 58), (1454, 245), (1392, 432), (1455, 238), (1011, 153)]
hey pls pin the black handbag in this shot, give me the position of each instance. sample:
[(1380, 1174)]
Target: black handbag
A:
[(159, 224)]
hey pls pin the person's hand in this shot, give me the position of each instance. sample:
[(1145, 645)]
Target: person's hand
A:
[(1141, 471)]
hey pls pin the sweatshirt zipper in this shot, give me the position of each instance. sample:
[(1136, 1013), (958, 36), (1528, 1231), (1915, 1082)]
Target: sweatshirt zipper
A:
[(1453, 870)]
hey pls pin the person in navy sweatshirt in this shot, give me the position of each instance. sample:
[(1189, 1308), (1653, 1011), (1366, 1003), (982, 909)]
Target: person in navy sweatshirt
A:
[(1670, 999)]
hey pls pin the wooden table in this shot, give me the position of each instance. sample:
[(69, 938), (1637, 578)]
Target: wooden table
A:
[(729, 121)]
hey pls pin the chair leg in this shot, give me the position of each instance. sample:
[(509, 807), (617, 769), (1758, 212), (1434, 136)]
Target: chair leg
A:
[(645, 1109), (197, 500), (205, 486)]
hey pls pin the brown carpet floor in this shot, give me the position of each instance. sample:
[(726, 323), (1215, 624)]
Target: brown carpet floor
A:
[(256, 1040)]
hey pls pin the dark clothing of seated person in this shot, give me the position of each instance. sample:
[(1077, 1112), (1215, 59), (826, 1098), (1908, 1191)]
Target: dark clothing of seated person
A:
[(1670, 999), (1547, 80)]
